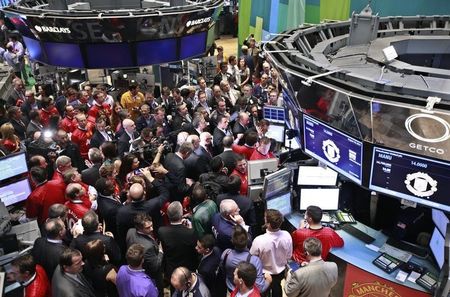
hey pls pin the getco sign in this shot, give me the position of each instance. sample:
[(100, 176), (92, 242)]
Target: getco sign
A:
[(431, 119)]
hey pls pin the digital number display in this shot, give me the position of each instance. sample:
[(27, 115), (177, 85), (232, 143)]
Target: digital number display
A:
[(338, 150), (418, 179)]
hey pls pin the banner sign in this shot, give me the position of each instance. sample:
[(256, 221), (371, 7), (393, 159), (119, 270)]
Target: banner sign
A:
[(359, 283)]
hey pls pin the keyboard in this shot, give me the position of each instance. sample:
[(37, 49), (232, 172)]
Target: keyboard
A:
[(416, 250), (355, 232)]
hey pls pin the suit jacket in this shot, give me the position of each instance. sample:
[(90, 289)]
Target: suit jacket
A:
[(218, 136), (108, 208), (97, 139), (204, 155), (142, 123), (178, 243), (177, 179), (64, 286), (195, 166), (123, 145), (26, 108), (32, 128), (314, 280), (73, 152), (111, 247), (229, 160), (47, 254), (245, 204), (239, 129), (91, 175), (180, 123), (20, 128)]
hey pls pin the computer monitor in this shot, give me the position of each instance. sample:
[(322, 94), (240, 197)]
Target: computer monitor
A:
[(281, 203), (437, 243), (15, 192), (316, 176), (440, 219), (258, 169), (13, 165), (276, 132), (277, 182), (274, 114), (326, 199)]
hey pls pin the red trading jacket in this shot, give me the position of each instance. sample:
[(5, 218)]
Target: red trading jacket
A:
[(258, 156), (244, 183), (40, 286), (45, 115), (76, 210), (243, 150), (82, 139), (68, 124), (255, 292), (97, 111)]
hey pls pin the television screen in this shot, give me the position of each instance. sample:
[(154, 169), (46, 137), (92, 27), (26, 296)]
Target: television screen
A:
[(108, 55), (276, 132), (277, 182), (437, 243), (316, 176), (326, 199), (274, 114), (156, 51), (13, 165), (440, 219), (63, 54), (258, 169), (281, 203), (338, 150), (418, 179), (15, 192), (193, 45)]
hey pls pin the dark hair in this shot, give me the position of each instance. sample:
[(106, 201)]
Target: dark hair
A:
[(34, 115), (38, 174), (104, 186), (312, 246), (199, 193), (53, 228), (274, 218), (186, 148), (34, 161), (239, 238), (216, 164), (251, 138), (57, 210), (140, 219), (66, 257), (126, 166), (247, 272), (90, 222), (207, 241), (25, 263), (315, 213), (135, 255), (234, 184), (109, 150), (227, 141), (94, 251), (12, 111), (46, 102)]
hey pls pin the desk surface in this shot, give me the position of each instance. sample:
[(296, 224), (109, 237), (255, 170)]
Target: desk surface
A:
[(356, 253)]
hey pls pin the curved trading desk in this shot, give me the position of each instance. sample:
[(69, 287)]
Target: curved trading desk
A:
[(356, 253)]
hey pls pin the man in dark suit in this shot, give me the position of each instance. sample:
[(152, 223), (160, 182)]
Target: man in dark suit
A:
[(30, 104), (194, 164), (178, 241), (91, 175), (165, 101), (108, 204), (69, 149), (91, 232), (46, 250), (182, 120), (129, 135), (228, 157), (241, 126), (18, 122), (204, 151), (101, 134), (17, 93), (219, 133), (209, 262), (145, 119), (152, 207), (246, 209), (35, 124), (68, 279), (71, 95), (174, 163)]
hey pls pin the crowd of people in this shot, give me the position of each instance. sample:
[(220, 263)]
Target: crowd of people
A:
[(137, 193)]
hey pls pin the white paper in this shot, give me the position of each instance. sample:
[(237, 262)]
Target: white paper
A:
[(401, 276), (372, 247), (413, 276)]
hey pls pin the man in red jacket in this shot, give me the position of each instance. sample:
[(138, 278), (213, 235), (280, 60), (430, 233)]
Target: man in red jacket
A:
[(76, 207), (68, 123), (82, 135), (99, 108), (31, 276)]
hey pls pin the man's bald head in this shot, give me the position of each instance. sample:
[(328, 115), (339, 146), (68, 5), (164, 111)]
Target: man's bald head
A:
[(136, 192)]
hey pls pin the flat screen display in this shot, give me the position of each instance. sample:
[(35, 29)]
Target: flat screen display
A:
[(437, 243), (108, 55), (258, 169), (274, 114), (13, 165), (276, 132), (326, 199), (281, 203), (418, 179), (34, 48), (440, 219), (192, 45), (316, 176), (277, 182), (156, 52), (338, 150), (15, 192), (64, 54)]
